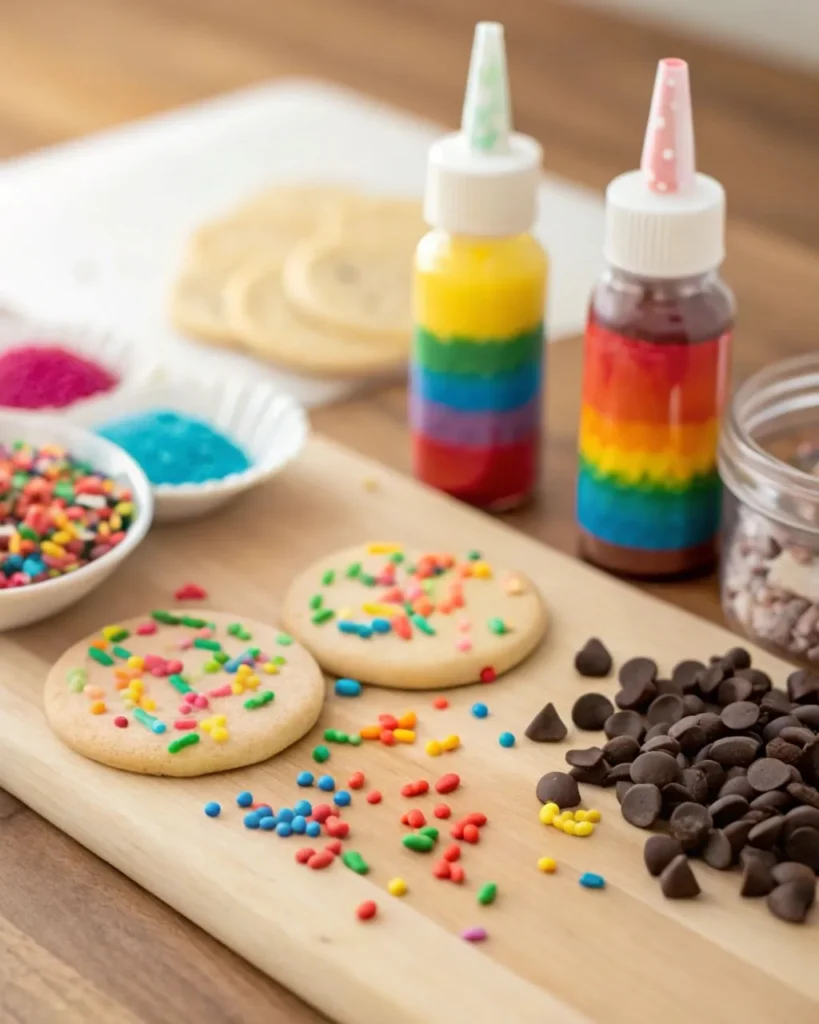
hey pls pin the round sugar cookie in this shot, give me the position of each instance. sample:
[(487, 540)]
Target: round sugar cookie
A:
[(316, 205), (376, 219), (266, 325), (201, 717), (197, 304), (362, 288), (387, 615)]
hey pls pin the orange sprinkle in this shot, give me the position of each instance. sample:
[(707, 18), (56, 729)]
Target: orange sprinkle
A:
[(445, 607), (423, 606), (401, 627), (370, 732), (407, 720), (94, 692), (97, 708), (101, 643), (446, 561), (440, 703), (465, 570)]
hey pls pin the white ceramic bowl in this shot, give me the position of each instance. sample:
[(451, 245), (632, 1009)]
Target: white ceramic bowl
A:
[(24, 605), (270, 426)]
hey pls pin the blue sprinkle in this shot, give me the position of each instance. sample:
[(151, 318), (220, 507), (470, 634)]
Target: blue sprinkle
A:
[(303, 807), (591, 881), (348, 688), (305, 779), (327, 783), (365, 632), (480, 710), (212, 809), (268, 823), (251, 820), (313, 829), (12, 564), (347, 626), (284, 829), (342, 798), (299, 825), (265, 812), (244, 799), (381, 625), (158, 728), (286, 815), (232, 666), (507, 739), (33, 566)]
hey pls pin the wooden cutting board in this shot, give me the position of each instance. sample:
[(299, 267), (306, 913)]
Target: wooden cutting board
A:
[(556, 952)]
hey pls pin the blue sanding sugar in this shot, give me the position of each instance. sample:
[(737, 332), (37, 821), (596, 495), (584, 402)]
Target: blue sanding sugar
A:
[(174, 448)]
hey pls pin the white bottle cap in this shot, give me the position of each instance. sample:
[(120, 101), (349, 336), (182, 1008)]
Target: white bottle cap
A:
[(665, 220), (483, 180)]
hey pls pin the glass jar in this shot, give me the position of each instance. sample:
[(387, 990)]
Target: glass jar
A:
[(769, 463)]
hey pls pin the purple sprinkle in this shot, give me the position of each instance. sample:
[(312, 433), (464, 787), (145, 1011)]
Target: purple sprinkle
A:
[(475, 934)]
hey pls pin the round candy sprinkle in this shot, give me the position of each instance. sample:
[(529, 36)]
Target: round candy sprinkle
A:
[(327, 783), (286, 814), (487, 893), (251, 820), (374, 797), (475, 934), (244, 799), (418, 842), (212, 809), (303, 807), (507, 739), (442, 811), (488, 674), (342, 798), (121, 722), (268, 823), (441, 703), (347, 688), (397, 887), (433, 748), (313, 829), (305, 779), (299, 825), (547, 864), (284, 829), (356, 780), (480, 710), (366, 910), (589, 880), (321, 754)]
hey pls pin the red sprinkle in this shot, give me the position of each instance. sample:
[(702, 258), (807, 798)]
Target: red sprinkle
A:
[(475, 818), (321, 812), (334, 847), (452, 852), (471, 833), (146, 629), (190, 592), (366, 911), (320, 860), (373, 797), (442, 869), (457, 873), (414, 818), (121, 722), (356, 780), (448, 783), (442, 811), (440, 703), (488, 674), (337, 828), (457, 830), (388, 721), (387, 738), (304, 854)]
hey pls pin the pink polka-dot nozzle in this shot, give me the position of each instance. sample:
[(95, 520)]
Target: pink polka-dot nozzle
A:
[(668, 152)]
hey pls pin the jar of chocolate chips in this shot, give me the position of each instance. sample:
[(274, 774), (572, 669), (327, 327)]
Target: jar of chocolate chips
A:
[(769, 463)]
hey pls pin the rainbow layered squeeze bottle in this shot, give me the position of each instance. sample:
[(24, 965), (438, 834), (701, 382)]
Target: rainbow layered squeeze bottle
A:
[(656, 358), (476, 406)]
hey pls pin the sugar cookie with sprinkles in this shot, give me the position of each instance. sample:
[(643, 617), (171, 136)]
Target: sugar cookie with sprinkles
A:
[(384, 614), (183, 693)]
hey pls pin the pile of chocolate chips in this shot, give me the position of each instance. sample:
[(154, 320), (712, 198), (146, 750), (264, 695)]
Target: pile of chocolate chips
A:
[(730, 763)]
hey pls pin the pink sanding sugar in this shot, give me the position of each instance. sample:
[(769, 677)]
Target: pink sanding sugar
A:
[(43, 376)]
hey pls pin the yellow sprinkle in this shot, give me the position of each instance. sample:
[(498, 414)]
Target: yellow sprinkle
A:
[(547, 864), (404, 735), (14, 544), (381, 548), (97, 708), (243, 670), (451, 742), (219, 719), (593, 815), (136, 686), (62, 537), (107, 486), (562, 816), (251, 682), (369, 484), (482, 570), (270, 668), (386, 610), (237, 686), (581, 815), (433, 748), (207, 724), (397, 887), (148, 704), (135, 662), (127, 704), (109, 632), (547, 816), (219, 734), (345, 613), (115, 522), (583, 828), (552, 806), (104, 530), (569, 827), (124, 508), (48, 547)]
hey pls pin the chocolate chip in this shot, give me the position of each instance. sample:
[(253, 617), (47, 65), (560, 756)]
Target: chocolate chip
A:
[(692, 704), (802, 845), (667, 708), (765, 835), (790, 753), (742, 714), (660, 729), (685, 674), (776, 703), (792, 871), (591, 711), (708, 681), (677, 880), (711, 724), (734, 750), (760, 681), (737, 785), (737, 834), (656, 767), (641, 805), (547, 726), (809, 762), (621, 749), (808, 714), (737, 658), (589, 757), (797, 734), (717, 851), (691, 737), (624, 723), (769, 857), (803, 687), (666, 743), (791, 902), (635, 699), (714, 773), (775, 800), (658, 853), (593, 659), (756, 878), (728, 809), (774, 728), (618, 773), (734, 689), (691, 823), (804, 794), (674, 794), (636, 672), (591, 776), (664, 686), (559, 788), (695, 782), (621, 788), (767, 774), (703, 754), (800, 817)]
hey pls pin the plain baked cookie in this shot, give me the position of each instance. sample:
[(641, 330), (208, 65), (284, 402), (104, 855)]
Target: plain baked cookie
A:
[(387, 615), (129, 706)]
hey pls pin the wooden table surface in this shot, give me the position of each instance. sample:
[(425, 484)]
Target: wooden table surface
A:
[(78, 941)]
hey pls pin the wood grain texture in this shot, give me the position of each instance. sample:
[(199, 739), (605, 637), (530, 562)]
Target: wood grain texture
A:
[(74, 66), (245, 887)]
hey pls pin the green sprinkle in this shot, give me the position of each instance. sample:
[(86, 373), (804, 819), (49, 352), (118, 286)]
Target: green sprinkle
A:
[(396, 558), (207, 645), (431, 831), (117, 635), (497, 626), (355, 740), (428, 586), (487, 893), (323, 616), (192, 622), (179, 684), (64, 489), (166, 618), (421, 623), (336, 736), (418, 843), (352, 570), (100, 656), (222, 657), (367, 579), (321, 754), (27, 533), (280, 660), (211, 666), (77, 679), (355, 862), (474, 556), (238, 630), (189, 740), (259, 701), (254, 652), (315, 602), (121, 652), (149, 721), (410, 570), (283, 640), (328, 577), (330, 735)]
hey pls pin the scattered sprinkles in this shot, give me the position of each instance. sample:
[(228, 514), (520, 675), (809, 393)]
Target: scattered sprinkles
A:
[(479, 710)]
